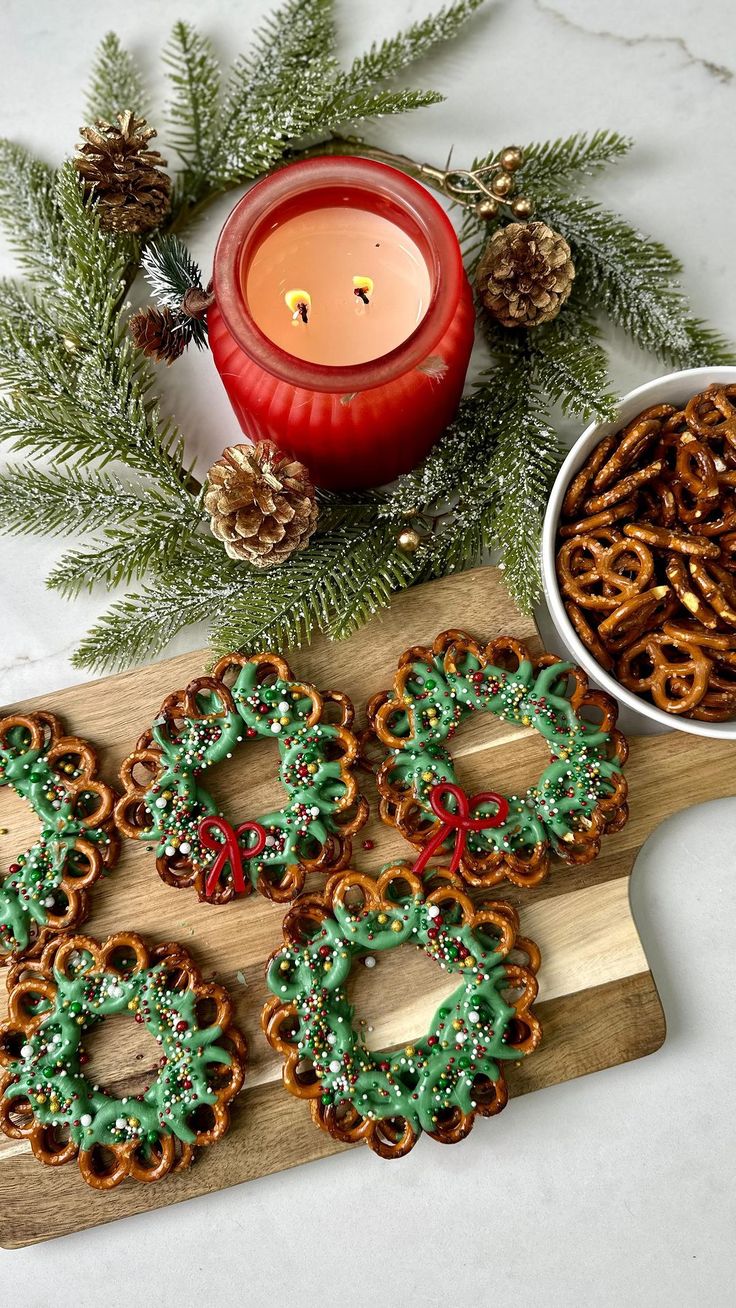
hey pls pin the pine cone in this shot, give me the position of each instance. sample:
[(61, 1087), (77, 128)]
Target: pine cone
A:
[(261, 502), (127, 180), (158, 333), (525, 274)]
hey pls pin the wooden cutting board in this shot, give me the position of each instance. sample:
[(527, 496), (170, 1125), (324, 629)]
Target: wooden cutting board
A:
[(598, 1001)]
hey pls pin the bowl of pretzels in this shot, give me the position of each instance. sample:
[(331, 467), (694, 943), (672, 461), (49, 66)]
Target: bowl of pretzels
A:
[(639, 551)]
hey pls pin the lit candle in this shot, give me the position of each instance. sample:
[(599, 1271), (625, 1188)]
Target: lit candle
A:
[(343, 319)]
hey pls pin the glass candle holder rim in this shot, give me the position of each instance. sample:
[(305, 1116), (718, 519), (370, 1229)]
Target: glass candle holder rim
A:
[(277, 190)]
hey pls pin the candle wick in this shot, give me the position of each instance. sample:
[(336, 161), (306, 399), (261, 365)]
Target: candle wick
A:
[(361, 294), (302, 311)]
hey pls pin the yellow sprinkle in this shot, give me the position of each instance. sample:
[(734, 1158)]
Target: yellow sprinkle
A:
[(395, 926), (133, 1121), (312, 767), (40, 1099), (409, 1051), (284, 721), (327, 966), (427, 776), (284, 965), (457, 1024), (382, 917)]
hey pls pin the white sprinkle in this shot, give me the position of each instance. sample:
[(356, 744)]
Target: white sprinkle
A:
[(120, 1123), (169, 851), (473, 1016), (270, 841), (433, 911), (276, 727), (86, 1119), (185, 847), (284, 706), (27, 1051), (161, 803), (334, 1065), (461, 1037), (369, 962), (314, 811)]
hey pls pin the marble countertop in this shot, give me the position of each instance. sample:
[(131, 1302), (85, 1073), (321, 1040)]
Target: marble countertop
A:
[(617, 1188)]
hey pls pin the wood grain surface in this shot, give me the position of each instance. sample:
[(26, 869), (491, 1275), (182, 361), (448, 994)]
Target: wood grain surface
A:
[(598, 1001)]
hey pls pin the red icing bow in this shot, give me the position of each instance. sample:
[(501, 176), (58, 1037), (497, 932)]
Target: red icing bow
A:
[(228, 850), (460, 821)]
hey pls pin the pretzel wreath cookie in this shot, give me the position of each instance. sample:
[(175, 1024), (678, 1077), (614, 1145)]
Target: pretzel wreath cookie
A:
[(580, 796), (45, 888), (436, 1084), (165, 800), (46, 1098)]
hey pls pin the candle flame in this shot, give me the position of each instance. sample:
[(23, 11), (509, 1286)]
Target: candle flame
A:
[(363, 288), (298, 303)]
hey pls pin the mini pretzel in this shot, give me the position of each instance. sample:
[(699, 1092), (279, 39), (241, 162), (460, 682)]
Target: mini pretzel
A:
[(635, 440), (46, 888), (440, 1082), (577, 491), (664, 539), (718, 588), (635, 616), (674, 671), (580, 796), (45, 1096), (597, 576), (625, 488), (589, 637), (679, 578), (165, 800), (604, 519)]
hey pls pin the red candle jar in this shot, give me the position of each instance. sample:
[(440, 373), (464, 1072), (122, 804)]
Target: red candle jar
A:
[(386, 278)]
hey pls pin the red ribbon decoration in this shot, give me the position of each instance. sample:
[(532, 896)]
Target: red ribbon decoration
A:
[(228, 851), (462, 821)]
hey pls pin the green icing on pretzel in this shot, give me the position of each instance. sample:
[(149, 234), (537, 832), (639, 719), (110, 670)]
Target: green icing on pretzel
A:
[(314, 782), (30, 890), (467, 1038), (49, 1070), (582, 766)]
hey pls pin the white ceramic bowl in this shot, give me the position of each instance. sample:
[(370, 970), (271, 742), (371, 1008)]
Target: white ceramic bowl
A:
[(675, 388)]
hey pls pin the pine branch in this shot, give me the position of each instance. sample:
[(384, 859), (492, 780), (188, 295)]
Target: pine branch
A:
[(569, 365), (634, 280), (55, 502), (29, 214), (468, 440), (140, 626), (332, 588), (364, 105), (274, 93), (387, 58), (116, 83), (127, 555), (193, 111), (521, 471), (557, 164)]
